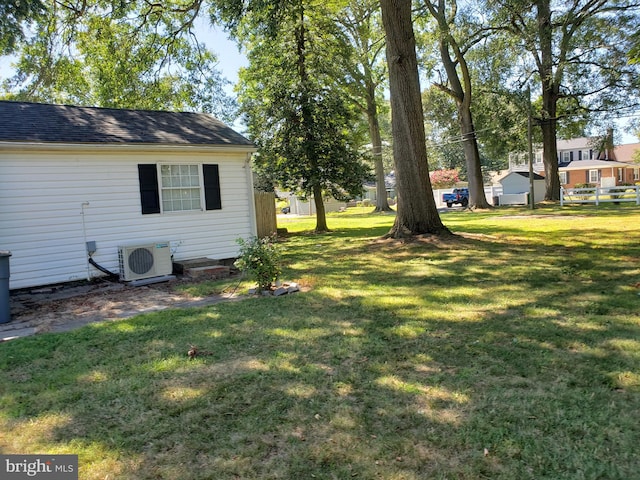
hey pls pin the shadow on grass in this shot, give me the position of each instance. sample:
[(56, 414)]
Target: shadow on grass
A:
[(471, 358)]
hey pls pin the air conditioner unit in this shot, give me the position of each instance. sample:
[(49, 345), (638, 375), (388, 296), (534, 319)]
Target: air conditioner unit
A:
[(145, 261)]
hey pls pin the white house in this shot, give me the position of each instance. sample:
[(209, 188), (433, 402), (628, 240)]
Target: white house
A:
[(78, 182), (516, 188)]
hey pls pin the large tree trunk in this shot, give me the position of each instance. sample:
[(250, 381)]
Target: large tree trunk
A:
[(550, 147), (477, 197), (550, 95), (382, 205), (321, 217), (417, 212)]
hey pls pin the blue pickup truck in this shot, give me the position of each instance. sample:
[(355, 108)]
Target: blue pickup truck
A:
[(458, 195)]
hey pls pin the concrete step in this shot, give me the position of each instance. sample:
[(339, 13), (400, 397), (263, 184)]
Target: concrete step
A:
[(181, 266), (210, 271)]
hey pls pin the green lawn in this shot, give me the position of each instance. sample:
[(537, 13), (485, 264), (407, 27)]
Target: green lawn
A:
[(511, 351)]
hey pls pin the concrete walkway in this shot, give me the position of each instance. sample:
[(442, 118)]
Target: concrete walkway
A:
[(17, 329)]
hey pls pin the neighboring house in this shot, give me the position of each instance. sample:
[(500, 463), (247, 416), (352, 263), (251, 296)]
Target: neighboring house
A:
[(75, 180), (371, 189), (579, 161), (628, 154), (602, 173)]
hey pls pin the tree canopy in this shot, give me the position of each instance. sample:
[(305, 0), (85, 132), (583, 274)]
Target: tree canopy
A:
[(14, 16), (124, 55)]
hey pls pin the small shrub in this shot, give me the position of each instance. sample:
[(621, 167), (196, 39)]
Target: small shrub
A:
[(584, 194), (366, 202), (585, 185), (260, 260)]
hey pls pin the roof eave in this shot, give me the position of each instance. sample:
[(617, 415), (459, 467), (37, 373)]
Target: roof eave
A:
[(131, 147)]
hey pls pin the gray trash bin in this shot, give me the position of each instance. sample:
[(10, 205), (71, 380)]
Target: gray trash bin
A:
[(5, 307)]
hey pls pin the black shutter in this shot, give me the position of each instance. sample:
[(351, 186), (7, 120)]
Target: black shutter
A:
[(571, 156), (149, 194), (211, 178)]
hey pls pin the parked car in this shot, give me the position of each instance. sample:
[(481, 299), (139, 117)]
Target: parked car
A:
[(459, 195)]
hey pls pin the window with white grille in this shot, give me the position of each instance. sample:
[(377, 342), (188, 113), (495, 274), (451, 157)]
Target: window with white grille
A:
[(180, 188), (563, 178)]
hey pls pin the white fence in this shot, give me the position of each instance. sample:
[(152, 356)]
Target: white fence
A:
[(600, 195)]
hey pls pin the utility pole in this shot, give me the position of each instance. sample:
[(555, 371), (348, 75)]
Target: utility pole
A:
[(532, 200)]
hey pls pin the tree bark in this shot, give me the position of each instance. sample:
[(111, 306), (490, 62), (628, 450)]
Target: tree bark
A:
[(382, 204), (477, 197), (417, 212), (321, 217), (550, 95), (549, 144)]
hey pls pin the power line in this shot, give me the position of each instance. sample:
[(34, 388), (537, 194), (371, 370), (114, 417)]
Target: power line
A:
[(461, 138)]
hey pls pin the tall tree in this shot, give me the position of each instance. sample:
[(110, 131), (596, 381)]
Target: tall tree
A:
[(578, 51), (295, 110), (362, 39), (417, 212), (453, 44)]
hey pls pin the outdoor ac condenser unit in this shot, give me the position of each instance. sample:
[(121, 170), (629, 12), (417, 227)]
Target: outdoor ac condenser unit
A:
[(145, 261)]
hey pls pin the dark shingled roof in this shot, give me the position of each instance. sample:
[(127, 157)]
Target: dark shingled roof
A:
[(526, 175), (37, 122)]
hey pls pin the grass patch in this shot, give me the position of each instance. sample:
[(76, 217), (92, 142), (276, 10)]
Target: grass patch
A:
[(510, 351), (207, 288)]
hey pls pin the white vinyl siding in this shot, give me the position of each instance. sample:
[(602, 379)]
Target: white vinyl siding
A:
[(41, 197)]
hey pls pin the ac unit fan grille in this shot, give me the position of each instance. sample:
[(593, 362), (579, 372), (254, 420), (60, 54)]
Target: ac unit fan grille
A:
[(140, 261), (144, 261)]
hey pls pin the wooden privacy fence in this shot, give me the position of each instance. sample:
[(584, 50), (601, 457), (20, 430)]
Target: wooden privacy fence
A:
[(265, 213)]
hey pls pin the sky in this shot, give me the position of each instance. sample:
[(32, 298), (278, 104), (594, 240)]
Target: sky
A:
[(229, 56)]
